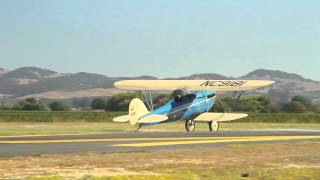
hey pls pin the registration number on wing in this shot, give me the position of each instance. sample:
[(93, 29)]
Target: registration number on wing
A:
[(224, 83)]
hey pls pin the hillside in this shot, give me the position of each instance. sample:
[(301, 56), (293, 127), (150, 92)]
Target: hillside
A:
[(30, 73), (287, 84), (204, 76), (44, 83), (2, 71)]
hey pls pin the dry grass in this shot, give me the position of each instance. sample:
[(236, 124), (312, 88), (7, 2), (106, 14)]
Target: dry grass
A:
[(257, 161), (110, 127)]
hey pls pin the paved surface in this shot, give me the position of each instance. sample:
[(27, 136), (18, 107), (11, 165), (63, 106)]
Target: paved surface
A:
[(68, 144)]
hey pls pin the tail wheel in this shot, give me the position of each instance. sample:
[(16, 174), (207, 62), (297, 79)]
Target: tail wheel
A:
[(190, 125), (213, 126)]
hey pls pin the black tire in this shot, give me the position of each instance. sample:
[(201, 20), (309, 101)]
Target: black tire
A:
[(213, 126), (190, 125)]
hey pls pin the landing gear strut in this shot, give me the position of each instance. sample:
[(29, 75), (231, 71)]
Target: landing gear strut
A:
[(190, 125), (139, 127), (213, 126)]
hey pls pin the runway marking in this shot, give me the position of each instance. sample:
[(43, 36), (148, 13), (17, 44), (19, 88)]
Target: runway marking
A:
[(235, 139), (108, 140), (43, 135), (163, 141)]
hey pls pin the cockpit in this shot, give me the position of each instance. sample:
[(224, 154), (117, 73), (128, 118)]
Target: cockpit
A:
[(186, 97), (211, 95), (180, 96)]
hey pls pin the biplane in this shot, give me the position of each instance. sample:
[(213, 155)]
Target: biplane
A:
[(192, 104)]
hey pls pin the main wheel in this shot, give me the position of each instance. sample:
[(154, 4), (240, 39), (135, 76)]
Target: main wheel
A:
[(190, 125), (213, 126)]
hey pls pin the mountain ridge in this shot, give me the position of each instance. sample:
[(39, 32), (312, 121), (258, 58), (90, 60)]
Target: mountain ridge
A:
[(276, 73), (26, 81)]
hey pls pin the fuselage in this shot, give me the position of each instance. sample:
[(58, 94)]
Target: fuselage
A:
[(186, 107)]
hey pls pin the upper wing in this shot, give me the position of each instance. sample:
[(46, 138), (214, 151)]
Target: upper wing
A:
[(220, 116), (193, 85)]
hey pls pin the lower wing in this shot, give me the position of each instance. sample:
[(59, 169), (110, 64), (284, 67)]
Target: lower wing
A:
[(207, 117), (121, 119), (153, 118)]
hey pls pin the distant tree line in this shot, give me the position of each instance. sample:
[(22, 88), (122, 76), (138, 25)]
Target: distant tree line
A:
[(259, 104), (264, 104), (120, 102), (33, 104)]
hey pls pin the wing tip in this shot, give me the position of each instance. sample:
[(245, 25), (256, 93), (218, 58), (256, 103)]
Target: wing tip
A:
[(270, 82), (120, 84), (121, 119)]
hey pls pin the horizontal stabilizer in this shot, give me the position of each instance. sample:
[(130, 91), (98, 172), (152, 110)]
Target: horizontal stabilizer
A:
[(153, 118), (121, 119), (193, 85), (207, 117)]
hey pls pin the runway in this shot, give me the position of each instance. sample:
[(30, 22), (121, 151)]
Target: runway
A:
[(141, 141)]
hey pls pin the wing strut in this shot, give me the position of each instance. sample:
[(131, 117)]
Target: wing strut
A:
[(239, 95), (149, 105), (151, 101), (235, 97)]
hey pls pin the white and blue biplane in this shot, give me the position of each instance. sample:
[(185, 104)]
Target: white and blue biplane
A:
[(192, 105)]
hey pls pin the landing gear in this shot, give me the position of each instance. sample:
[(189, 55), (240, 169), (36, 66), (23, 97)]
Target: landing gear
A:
[(139, 127), (213, 126), (190, 125)]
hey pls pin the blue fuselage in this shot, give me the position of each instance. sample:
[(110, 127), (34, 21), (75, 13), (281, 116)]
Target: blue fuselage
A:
[(186, 107)]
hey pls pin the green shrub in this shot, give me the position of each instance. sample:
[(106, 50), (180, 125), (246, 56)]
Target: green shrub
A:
[(58, 106)]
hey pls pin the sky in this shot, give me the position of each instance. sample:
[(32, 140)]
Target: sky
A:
[(163, 38)]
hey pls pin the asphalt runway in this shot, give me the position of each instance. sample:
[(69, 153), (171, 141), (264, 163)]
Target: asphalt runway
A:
[(107, 143)]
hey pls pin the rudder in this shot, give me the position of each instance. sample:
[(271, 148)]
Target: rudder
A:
[(136, 110)]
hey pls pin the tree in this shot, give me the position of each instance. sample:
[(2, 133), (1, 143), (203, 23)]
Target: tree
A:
[(30, 104), (81, 102), (247, 104), (31, 100), (266, 105), (301, 99), (120, 102), (297, 107), (98, 103), (161, 100), (3, 106), (219, 106), (58, 106), (305, 102), (299, 104)]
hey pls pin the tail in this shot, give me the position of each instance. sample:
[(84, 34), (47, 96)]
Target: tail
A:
[(136, 110)]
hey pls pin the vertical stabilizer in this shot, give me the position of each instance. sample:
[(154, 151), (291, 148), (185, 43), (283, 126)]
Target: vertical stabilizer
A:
[(136, 110)]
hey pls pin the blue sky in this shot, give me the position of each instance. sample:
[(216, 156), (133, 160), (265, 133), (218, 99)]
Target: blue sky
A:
[(164, 38)]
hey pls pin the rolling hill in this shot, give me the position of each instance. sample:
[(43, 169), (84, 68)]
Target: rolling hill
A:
[(2, 71), (49, 84), (287, 84)]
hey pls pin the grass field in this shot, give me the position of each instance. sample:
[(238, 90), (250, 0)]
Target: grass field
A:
[(30, 128), (50, 116), (87, 122), (254, 161), (101, 116), (237, 161)]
